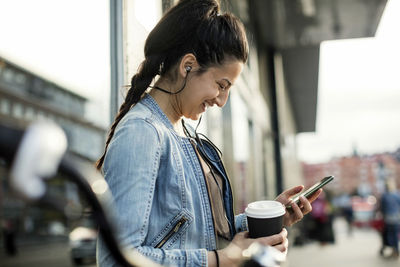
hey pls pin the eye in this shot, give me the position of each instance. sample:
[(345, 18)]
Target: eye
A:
[(221, 86)]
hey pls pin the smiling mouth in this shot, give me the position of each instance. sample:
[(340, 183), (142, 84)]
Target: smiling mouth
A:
[(205, 106)]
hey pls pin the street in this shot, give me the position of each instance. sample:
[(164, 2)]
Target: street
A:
[(357, 250), (50, 254)]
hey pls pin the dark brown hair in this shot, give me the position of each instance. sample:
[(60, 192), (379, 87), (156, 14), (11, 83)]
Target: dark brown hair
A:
[(191, 26)]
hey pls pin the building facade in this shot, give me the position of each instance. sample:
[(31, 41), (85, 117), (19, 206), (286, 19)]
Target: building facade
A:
[(25, 98)]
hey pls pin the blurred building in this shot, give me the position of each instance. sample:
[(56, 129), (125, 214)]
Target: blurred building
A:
[(363, 175), (276, 96), (27, 97)]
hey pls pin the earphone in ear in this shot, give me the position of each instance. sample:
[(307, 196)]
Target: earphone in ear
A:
[(188, 68)]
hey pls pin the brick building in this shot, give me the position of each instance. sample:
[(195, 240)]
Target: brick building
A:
[(364, 174)]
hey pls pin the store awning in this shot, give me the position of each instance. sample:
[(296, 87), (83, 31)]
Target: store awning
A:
[(295, 28)]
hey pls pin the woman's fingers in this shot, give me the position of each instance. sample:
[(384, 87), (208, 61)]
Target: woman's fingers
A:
[(285, 197), (242, 240), (233, 252), (296, 213), (273, 239), (278, 241), (315, 195), (305, 205), (283, 247), (293, 191)]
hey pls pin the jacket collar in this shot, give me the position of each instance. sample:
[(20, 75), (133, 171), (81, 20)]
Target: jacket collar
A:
[(149, 102)]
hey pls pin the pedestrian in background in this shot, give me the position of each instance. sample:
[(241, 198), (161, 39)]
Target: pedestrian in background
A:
[(347, 210), (171, 191), (322, 215), (390, 209), (9, 235)]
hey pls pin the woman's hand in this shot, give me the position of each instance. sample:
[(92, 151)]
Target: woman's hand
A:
[(232, 254), (278, 241), (297, 212)]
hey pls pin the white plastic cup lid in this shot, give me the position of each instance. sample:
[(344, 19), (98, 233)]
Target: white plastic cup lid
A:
[(265, 209)]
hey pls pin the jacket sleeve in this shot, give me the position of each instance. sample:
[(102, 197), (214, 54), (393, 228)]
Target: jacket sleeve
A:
[(131, 168), (241, 223)]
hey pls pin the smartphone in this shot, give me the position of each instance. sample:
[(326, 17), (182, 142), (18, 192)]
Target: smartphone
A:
[(311, 190)]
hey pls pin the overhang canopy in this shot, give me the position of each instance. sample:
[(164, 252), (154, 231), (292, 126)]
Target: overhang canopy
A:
[(295, 28)]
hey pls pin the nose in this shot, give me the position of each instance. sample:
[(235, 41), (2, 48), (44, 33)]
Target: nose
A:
[(221, 98)]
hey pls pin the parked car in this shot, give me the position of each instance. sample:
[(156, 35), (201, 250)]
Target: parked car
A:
[(83, 244)]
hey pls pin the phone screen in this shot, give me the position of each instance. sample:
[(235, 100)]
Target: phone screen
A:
[(312, 189)]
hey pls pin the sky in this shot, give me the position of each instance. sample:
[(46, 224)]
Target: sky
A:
[(359, 86), (358, 95), (63, 41)]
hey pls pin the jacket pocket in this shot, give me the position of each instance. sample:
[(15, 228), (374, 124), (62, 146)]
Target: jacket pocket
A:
[(172, 231)]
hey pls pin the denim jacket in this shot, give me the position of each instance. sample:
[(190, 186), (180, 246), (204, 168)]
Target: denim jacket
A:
[(159, 191)]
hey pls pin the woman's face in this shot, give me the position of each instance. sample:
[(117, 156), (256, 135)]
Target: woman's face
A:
[(208, 89)]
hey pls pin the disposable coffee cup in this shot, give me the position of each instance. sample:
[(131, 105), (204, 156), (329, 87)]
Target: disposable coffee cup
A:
[(264, 218)]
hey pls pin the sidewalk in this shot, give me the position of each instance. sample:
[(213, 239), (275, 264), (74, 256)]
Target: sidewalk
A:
[(358, 250)]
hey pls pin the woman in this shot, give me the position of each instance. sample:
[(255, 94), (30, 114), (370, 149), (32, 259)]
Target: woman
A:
[(171, 190)]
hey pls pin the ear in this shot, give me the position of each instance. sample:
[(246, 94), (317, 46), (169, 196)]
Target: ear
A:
[(188, 63)]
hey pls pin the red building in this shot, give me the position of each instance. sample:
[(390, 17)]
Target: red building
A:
[(364, 174)]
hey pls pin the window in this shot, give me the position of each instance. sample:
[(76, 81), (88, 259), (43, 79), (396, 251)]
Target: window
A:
[(17, 110), (4, 106)]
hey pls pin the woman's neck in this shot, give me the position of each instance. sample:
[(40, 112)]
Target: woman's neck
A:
[(164, 102)]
